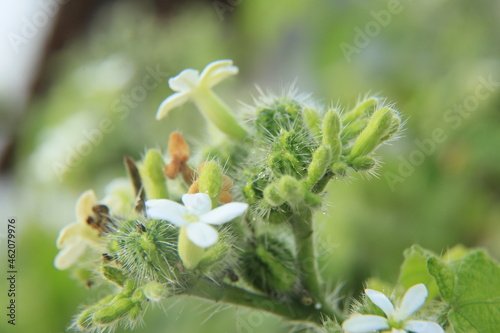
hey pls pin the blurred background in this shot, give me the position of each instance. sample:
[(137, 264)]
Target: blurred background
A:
[(81, 82)]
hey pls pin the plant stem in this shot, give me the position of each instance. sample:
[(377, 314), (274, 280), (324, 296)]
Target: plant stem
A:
[(223, 292), (302, 225)]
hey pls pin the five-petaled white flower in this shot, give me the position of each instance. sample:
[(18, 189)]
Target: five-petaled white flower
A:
[(74, 239), (191, 85), (397, 318), (195, 216)]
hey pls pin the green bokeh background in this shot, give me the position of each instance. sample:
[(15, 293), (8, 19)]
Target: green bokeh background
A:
[(428, 57)]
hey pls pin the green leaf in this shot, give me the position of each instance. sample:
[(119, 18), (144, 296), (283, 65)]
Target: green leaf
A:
[(445, 278), (414, 270), (471, 286)]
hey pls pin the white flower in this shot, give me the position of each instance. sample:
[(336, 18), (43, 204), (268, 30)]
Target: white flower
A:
[(189, 83), (74, 239), (397, 318), (196, 216)]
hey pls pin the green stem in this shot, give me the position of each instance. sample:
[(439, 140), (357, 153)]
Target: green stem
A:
[(302, 224), (223, 292), (214, 109)]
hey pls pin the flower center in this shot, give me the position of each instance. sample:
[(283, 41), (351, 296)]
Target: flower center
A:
[(190, 218), (398, 324)]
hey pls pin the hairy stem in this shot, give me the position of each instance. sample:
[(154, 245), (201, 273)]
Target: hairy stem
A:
[(223, 292), (302, 224)]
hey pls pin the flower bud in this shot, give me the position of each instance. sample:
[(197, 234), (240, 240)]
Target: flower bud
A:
[(313, 122), (339, 168), (114, 311), (353, 129), (331, 128), (362, 110), (113, 274), (155, 291), (371, 136), (210, 181), (272, 195), (363, 163), (290, 189), (320, 163), (153, 177)]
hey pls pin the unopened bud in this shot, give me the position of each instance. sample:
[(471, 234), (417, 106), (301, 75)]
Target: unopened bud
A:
[(320, 163), (371, 136), (114, 311), (363, 163), (153, 177), (313, 122), (210, 181), (363, 109), (331, 128)]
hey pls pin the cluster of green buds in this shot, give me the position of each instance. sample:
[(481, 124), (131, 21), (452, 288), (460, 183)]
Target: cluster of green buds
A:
[(175, 239)]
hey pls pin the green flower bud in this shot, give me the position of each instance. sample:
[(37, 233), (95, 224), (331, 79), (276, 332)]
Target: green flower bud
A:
[(283, 114), (269, 266), (272, 195), (313, 122), (190, 253), (114, 311), (321, 161), (284, 163), (113, 274), (153, 177), (363, 109), (331, 128), (339, 168), (363, 163), (85, 319), (290, 189), (155, 291), (371, 136), (353, 129), (215, 257), (210, 181), (395, 126)]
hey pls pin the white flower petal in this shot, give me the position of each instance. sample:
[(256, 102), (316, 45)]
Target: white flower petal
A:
[(224, 213), (365, 324), (423, 326), (198, 203), (170, 103), (412, 301), (380, 300), (220, 75), (201, 234), (68, 234), (185, 81), (68, 256), (167, 210), (84, 205), (213, 67)]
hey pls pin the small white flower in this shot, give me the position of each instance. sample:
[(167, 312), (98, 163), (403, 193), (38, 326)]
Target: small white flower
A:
[(189, 83), (397, 318), (74, 238), (196, 216)]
